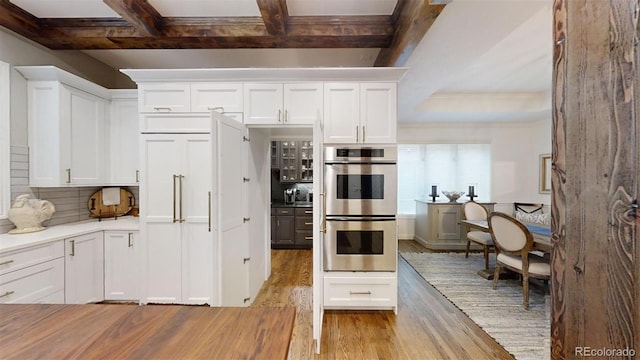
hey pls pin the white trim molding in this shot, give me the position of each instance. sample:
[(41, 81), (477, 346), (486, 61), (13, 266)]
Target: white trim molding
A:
[(5, 138)]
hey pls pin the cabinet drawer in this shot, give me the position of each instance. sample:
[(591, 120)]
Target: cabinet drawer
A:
[(304, 211), (304, 223), (23, 258), (365, 292), (155, 98), (304, 237), (285, 211), (154, 123), (34, 284)]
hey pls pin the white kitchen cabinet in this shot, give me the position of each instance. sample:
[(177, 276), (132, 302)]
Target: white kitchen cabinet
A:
[(283, 104), (224, 98), (67, 133), (164, 97), (33, 275), (360, 113), (121, 265), (176, 237), (123, 138), (362, 290), (84, 268)]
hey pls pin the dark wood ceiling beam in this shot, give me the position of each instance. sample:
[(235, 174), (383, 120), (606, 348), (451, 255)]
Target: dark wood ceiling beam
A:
[(416, 17), (19, 21), (140, 14), (275, 15)]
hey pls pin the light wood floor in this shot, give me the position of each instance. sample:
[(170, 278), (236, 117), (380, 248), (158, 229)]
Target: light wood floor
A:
[(427, 325)]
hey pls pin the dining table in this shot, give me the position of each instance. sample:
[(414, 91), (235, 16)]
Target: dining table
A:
[(541, 240)]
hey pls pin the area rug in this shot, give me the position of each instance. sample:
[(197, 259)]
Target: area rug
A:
[(523, 333)]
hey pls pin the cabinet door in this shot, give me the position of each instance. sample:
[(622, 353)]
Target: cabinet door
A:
[(448, 222), (84, 269), (341, 113), (160, 234), (121, 273), (302, 103), (378, 113), (197, 238), (87, 126), (285, 228), (220, 97), (124, 142), (263, 103), (170, 97)]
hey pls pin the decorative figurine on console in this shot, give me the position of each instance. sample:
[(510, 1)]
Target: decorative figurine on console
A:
[(472, 192), (29, 214), (434, 193)]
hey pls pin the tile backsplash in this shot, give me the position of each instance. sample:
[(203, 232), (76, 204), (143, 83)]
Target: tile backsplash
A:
[(71, 202)]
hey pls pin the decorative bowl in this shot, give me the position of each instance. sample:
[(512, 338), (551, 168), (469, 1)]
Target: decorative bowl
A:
[(453, 196)]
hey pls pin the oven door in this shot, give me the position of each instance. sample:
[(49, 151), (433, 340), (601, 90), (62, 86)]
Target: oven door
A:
[(360, 244), (361, 189)]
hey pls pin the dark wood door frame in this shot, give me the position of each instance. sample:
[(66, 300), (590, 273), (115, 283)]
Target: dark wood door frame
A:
[(595, 155)]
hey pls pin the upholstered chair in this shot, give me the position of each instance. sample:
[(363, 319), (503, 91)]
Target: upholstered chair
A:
[(513, 241), (471, 210)]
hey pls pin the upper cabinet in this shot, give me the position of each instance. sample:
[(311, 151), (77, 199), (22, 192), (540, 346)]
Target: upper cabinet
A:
[(123, 138), (224, 98), (360, 113), (67, 132), (164, 97), (282, 104)]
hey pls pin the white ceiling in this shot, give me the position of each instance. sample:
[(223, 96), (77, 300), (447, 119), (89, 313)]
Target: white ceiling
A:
[(482, 60)]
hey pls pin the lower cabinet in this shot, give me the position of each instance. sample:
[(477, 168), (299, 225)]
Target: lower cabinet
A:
[(33, 275), (292, 227), (284, 220), (84, 269), (121, 272), (361, 290)]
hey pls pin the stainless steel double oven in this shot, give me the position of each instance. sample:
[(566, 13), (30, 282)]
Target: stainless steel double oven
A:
[(361, 203)]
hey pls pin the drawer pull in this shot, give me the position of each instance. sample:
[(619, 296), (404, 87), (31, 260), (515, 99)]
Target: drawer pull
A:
[(6, 262), (308, 223), (360, 292), (162, 108), (73, 248), (216, 108), (285, 211), (7, 294), (308, 211), (308, 237)]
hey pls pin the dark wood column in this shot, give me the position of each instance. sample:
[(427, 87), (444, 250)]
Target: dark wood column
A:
[(596, 162)]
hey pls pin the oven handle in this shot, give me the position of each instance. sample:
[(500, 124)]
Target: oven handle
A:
[(360, 163), (360, 218)]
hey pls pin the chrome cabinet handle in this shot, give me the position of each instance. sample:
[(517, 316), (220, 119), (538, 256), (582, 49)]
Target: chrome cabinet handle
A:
[(285, 211), (308, 237), (360, 292), (209, 208), (73, 248), (216, 108), (357, 133), (286, 116), (162, 108), (68, 176), (324, 213), (137, 176), (130, 240), (308, 223), (6, 262), (363, 133), (181, 178), (279, 114), (7, 294), (308, 211), (174, 199)]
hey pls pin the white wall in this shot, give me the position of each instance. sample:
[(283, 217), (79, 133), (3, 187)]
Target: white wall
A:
[(515, 151)]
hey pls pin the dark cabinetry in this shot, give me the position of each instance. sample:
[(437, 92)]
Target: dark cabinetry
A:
[(291, 227), (294, 159)]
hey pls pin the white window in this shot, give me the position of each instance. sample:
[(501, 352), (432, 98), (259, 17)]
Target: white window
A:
[(5, 191), (451, 167)]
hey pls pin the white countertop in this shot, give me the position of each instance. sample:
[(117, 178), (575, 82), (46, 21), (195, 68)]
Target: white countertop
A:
[(11, 242)]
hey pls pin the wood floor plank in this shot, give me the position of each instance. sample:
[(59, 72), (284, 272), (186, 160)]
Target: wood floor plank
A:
[(427, 326)]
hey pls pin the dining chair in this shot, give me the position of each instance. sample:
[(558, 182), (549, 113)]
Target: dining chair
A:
[(471, 210), (513, 242)]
